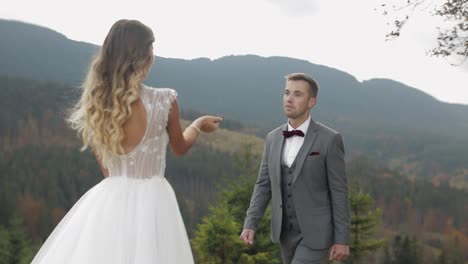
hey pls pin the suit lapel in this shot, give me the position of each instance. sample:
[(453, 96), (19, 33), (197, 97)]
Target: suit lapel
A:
[(306, 146), (277, 150)]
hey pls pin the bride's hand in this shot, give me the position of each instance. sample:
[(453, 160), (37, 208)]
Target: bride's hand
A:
[(207, 124)]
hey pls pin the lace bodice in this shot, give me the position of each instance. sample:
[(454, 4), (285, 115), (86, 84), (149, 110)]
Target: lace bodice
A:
[(148, 158)]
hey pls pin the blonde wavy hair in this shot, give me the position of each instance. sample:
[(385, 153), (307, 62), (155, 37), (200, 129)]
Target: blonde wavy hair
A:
[(112, 84)]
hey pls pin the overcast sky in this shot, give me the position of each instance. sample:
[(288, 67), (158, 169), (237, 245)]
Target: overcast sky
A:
[(347, 35)]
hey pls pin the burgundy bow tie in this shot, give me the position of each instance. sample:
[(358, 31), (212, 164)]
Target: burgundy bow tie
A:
[(288, 134)]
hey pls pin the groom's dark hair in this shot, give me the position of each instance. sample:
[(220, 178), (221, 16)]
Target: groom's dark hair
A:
[(313, 87)]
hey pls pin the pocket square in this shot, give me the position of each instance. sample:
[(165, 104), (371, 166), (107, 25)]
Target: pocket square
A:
[(314, 153)]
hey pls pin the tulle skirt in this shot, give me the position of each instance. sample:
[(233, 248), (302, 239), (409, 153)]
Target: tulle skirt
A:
[(121, 220)]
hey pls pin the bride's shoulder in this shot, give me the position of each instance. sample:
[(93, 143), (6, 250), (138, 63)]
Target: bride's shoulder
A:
[(165, 92), (164, 96)]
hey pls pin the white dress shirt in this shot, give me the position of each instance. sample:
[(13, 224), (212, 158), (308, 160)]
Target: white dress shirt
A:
[(294, 143)]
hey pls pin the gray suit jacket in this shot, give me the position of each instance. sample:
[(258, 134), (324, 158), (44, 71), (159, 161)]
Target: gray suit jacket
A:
[(320, 188)]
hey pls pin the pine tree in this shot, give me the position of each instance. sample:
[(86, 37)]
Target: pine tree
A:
[(5, 246), (443, 257), (452, 253), (217, 238), (406, 250), (363, 222), (21, 250), (387, 256)]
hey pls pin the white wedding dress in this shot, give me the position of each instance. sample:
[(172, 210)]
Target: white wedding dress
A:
[(132, 216)]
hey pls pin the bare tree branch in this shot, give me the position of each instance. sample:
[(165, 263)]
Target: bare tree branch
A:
[(452, 42)]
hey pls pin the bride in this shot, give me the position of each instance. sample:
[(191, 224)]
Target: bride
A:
[(132, 215)]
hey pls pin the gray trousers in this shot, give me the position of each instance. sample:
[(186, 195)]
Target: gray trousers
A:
[(293, 250)]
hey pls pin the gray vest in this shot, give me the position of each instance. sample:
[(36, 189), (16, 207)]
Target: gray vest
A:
[(289, 211)]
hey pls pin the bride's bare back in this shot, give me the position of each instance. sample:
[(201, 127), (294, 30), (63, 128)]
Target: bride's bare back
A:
[(135, 127)]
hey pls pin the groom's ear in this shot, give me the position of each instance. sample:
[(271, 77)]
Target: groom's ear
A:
[(312, 102)]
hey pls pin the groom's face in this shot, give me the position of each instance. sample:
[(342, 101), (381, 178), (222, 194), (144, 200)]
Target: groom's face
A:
[(297, 100)]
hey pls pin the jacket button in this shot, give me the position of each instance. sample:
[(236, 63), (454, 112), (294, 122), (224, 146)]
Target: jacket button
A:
[(281, 206)]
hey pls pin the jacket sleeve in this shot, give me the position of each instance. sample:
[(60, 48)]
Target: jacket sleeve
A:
[(338, 187), (261, 195)]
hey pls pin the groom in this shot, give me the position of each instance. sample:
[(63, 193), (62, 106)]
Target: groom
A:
[(303, 174)]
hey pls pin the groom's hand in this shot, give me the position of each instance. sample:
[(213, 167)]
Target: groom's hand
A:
[(339, 252), (248, 236)]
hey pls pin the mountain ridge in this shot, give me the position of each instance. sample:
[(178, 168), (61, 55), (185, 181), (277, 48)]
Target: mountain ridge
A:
[(382, 118)]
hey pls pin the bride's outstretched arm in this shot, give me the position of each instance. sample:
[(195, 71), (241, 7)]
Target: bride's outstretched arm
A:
[(181, 142)]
